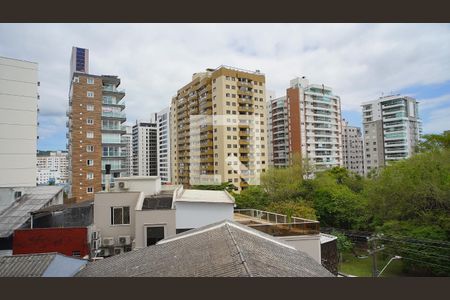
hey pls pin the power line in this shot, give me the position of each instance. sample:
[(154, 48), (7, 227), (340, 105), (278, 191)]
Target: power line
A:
[(421, 261), (413, 243)]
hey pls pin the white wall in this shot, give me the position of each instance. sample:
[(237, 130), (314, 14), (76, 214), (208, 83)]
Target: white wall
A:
[(194, 215), (18, 122), (310, 244), (149, 185), (102, 213), (163, 217)]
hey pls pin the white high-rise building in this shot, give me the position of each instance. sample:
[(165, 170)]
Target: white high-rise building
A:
[(18, 124), (145, 150), (352, 147), (164, 164), (127, 150), (391, 130), (307, 121), (52, 166)]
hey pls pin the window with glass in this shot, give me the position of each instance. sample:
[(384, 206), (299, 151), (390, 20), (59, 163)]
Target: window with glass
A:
[(120, 215)]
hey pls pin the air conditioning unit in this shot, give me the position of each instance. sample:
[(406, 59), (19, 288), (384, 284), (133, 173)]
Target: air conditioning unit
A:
[(118, 250), (123, 185), (108, 241), (96, 244), (95, 235), (124, 240), (105, 252)]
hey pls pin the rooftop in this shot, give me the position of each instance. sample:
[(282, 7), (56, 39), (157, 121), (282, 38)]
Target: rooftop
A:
[(276, 224), (205, 196), (223, 249), (17, 213), (40, 265)]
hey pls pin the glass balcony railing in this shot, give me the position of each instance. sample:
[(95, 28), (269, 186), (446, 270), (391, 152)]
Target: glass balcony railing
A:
[(112, 114), (108, 88)]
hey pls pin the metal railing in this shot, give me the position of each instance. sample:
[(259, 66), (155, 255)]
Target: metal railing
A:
[(271, 216)]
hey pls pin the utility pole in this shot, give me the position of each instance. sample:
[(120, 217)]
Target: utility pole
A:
[(374, 248)]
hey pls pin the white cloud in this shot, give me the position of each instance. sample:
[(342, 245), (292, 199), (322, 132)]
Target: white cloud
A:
[(360, 61)]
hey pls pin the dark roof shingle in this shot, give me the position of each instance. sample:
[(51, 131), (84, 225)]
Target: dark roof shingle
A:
[(224, 249)]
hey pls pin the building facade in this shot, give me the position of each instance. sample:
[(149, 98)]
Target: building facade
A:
[(127, 138), (95, 131), (307, 121), (18, 123), (219, 130), (52, 166), (145, 150), (164, 162), (352, 147), (278, 132), (391, 130)]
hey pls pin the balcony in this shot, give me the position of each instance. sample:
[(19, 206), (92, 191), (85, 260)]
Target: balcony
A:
[(244, 150), (113, 89), (112, 114), (244, 133), (114, 128), (276, 224)]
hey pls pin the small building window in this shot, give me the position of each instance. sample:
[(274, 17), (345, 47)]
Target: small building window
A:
[(90, 94), (90, 81), (90, 107), (90, 148), (90, 190), (90, 121), (120, 215)]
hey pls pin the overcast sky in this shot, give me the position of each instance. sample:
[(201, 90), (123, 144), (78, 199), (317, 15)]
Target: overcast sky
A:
[(359, 61)]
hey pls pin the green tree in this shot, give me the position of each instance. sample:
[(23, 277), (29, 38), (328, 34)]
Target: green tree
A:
[(252, 197), (293, 208), (344, 244), (432, 142), (282, 184)]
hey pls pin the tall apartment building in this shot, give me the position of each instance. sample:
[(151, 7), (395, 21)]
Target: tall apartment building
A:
[(18, 125), (145, 150), (352, 147), (95, 128), (278, 135), (127, 150), (391, 130), (306, 121), (52, 166), (164, 162), (219, 130)]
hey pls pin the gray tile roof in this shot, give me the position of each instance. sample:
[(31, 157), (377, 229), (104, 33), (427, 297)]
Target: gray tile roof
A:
[(18, 212), (25, 265), (223, 249), (40, 265)]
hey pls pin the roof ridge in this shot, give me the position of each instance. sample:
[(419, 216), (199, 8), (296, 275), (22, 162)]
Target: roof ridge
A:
[(241, 255)]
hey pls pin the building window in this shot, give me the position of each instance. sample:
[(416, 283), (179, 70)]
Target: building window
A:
[(90, 134), (90, 81), (90, 190), (120, 215), (153, 234), (90, 162), (90, 121), (90, 176), (90, 107), (90, 94), (90, 148), (76, 79)]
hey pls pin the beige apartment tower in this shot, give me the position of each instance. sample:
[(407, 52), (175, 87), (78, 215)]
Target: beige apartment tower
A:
[(219, 129)]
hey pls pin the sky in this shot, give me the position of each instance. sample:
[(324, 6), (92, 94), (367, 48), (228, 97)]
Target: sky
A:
[(360, 62)]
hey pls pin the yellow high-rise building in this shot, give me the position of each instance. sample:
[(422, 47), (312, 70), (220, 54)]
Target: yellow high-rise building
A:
[(219, 128)]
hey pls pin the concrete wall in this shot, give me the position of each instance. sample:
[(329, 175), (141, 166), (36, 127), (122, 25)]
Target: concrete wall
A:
[(102, 213), (161, 217), (310, 244), (18, 122), (194, 215), (149, 185)]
